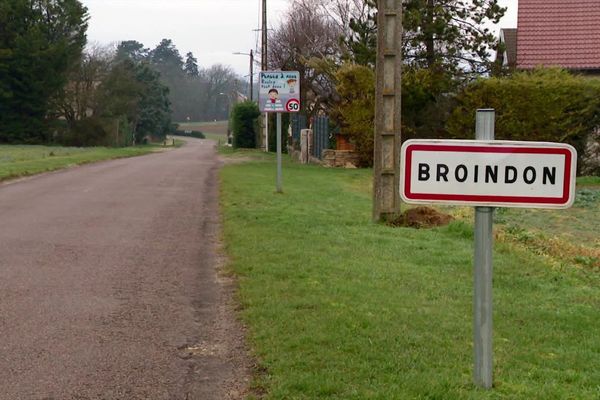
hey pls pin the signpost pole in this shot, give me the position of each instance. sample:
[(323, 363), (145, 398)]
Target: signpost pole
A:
[(279, 172), (267, 132), (483, 272)]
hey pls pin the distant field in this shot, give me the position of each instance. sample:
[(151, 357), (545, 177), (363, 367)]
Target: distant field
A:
[(17, 161), (216, 130)]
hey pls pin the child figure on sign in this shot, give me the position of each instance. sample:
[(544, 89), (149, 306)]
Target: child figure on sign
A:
[(273, 102), (292, 85)]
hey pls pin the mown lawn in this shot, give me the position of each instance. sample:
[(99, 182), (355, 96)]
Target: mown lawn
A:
[(341, 308), (18, 161)]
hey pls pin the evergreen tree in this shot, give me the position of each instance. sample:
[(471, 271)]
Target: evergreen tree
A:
[(134, 91), (450, 33), (361, 43), (154, 118), (166, 55), (191, 65), (133, 50), (120, 92), (439, 34), (40, 40)]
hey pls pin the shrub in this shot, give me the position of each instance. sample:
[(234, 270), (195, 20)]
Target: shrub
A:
[(355, 112), (543, 105), (426, 104), (243, 124), (427, 101), (91, 131)]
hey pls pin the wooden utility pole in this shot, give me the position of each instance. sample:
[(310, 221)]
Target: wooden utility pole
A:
[(265, 65), (386, 190), (251, 75), (263, 51)]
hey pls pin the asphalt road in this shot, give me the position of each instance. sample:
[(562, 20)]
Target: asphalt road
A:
[(109, 287)]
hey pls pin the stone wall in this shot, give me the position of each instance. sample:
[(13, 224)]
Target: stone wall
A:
[(340, 158), (591, 158)]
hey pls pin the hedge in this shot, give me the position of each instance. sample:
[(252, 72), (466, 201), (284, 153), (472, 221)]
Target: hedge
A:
[(244, 124), (549, 105)]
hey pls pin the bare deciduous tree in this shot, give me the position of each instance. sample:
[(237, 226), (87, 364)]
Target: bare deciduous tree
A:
[(308, 41), (340, 12), (218, 84), (78, 99)]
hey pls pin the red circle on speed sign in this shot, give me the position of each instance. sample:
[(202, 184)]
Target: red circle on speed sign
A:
[(293, 105)]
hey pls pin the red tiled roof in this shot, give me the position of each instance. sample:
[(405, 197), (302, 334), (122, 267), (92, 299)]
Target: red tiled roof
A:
[(563, 33)]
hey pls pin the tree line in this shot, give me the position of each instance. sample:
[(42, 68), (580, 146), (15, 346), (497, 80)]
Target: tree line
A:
[(195, 93), (57, 88)]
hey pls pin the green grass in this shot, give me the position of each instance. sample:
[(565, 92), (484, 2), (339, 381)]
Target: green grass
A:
[(340, 308), (217, 137), (18, 161), (571, 236), (588, 181)]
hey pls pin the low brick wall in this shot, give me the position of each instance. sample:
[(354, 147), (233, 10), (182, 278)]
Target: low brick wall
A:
[(340, 158)]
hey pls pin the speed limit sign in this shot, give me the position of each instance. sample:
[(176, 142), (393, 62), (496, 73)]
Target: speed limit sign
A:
[(293, 105)]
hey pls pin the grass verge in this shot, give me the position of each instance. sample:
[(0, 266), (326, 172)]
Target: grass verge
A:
[(589, 180), (19, 161), (341, 308)]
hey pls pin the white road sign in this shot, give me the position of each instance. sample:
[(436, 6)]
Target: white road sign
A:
[(279, 91), (495, 173)]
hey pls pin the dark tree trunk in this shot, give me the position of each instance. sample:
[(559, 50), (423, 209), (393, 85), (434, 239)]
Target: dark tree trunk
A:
[(429, 34)]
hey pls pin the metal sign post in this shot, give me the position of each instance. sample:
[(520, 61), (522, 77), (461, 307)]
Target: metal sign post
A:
[(266, 132), (483, 271), (279, 185)]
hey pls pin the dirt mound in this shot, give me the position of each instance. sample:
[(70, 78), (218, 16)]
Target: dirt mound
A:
[(422, 217)]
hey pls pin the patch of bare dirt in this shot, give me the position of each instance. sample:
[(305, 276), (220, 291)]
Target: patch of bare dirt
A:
[(422, 218)]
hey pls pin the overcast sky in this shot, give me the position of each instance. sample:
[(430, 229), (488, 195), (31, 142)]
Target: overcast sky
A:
[(211, 29)]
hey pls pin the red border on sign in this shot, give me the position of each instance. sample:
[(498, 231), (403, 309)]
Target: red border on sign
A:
[(487, 198), (290, 101)]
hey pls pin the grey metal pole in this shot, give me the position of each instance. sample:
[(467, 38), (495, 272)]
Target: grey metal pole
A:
[(267, 132), (279, 172), (483, 273)]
